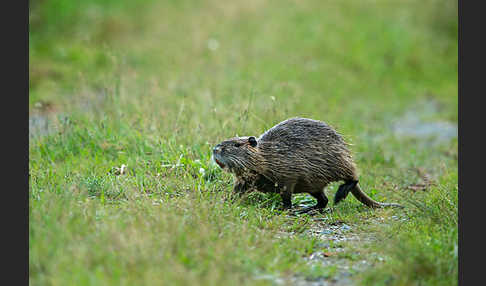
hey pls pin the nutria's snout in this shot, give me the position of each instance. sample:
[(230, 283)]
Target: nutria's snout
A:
[(217, 155)]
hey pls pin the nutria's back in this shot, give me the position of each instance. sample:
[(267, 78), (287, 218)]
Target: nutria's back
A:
[(301, 130), (307, 150)]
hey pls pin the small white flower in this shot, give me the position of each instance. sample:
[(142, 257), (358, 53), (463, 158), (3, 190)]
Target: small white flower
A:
[(213, 44)]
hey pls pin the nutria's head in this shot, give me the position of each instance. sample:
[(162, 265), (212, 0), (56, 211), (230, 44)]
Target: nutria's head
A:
[(238, 154)]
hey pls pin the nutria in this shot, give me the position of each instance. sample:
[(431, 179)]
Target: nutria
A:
[(298, 155)]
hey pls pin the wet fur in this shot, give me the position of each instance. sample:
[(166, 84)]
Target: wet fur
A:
[(298, 155)]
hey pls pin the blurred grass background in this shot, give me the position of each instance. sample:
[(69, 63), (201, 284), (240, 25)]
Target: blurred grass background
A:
[(154, 84)]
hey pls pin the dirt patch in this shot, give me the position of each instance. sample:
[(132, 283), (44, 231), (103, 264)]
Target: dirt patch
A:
[(414, 125), (333, 253), (40, 119), (44, 117), (38, 125)]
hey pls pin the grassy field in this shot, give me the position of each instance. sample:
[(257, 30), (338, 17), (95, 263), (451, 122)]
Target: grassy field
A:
[(150, 88)]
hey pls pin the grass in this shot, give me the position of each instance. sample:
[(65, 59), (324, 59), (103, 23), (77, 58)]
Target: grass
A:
[(155, 86)]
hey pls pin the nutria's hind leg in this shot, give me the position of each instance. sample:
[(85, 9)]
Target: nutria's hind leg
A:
[(344, 190), (321, 202), (321, 199)]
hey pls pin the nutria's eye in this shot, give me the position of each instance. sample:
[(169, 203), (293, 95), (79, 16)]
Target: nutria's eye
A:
[(237, 144)]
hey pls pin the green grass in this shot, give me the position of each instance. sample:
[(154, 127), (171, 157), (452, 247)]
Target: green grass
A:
[(155, 86)]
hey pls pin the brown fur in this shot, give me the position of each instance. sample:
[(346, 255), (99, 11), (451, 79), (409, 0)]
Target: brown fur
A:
[(298, 155)]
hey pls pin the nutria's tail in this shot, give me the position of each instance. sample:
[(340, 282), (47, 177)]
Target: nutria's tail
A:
[(353, 187)]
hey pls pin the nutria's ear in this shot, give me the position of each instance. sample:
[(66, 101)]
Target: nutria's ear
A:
[(252, 141)]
